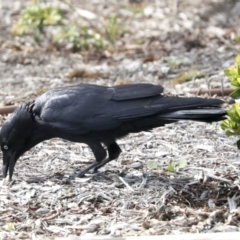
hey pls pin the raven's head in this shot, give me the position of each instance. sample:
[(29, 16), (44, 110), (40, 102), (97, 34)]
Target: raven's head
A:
[(16, 137)]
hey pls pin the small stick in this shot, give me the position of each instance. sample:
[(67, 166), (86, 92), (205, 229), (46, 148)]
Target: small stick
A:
[(215, 91), (126, 184), (7, 109)]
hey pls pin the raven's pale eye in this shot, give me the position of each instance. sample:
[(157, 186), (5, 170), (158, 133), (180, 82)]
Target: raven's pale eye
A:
[(5, 147)]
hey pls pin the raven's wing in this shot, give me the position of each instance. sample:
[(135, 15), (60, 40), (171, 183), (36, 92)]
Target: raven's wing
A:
[(83, 108), (135, 91)]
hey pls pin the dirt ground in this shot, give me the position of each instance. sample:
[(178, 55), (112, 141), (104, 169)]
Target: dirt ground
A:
[(134, 195)]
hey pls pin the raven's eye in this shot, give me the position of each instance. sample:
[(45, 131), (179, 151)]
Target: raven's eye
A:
[(5, 147)]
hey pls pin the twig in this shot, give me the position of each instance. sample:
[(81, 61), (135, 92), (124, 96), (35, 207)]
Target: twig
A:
[(216, 91), (218, 178), (7, 109), (126, 184)]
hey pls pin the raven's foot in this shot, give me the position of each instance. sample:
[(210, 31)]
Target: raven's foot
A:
[(105, 161), (87, 169)]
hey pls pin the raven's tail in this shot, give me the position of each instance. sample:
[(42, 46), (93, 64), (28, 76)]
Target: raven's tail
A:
[(203, 115), (196, 109)]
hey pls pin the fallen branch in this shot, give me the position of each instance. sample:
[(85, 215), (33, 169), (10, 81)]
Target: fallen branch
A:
[(215, 91)]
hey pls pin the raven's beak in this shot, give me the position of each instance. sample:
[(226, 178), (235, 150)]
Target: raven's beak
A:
[(8, 164)]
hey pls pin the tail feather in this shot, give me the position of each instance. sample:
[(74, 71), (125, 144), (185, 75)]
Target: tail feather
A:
[(173, 109), (205, 115), (196, 109), (170, 104)]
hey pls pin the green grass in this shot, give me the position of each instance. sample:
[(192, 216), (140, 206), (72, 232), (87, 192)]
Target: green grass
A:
[(36, 17)]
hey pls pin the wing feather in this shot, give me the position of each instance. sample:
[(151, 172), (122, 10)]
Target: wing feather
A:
[(135, 91)]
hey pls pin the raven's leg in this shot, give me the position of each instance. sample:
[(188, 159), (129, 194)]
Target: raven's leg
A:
[(113, 153), (99, 153)]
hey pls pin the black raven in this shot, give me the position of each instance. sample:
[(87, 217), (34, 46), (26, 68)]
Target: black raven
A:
[(97, 116)]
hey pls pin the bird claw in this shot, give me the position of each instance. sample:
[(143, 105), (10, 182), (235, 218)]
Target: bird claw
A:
[(81, 174), (95, 170), (87, 169)]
